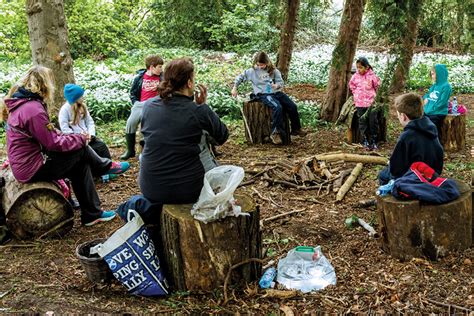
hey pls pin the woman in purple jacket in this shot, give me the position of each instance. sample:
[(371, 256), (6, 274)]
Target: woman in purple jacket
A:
[(39, 152)]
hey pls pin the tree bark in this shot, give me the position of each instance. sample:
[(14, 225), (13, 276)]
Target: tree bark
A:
[(36, 209), (287, 37), (49, 44), (259, 122), (407, 47), (342, 56), (198, 256), (352, 158), (453, 132), (410, 229)]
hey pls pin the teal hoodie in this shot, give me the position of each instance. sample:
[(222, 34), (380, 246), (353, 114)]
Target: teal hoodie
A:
[(439, 93)]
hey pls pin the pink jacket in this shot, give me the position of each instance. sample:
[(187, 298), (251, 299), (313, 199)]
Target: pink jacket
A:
[(364, 88), (29, 132)]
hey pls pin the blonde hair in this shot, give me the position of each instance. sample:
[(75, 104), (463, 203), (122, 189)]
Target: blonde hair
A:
[(3, 106), (39, 80), (79, 109)]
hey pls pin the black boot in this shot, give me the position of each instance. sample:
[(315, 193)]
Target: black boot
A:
[(130, 147)]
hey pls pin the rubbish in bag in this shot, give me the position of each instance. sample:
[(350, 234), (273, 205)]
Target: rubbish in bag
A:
[(217, 194), (305, 269)]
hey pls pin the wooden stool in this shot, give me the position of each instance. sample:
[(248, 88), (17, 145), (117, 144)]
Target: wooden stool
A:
[(258, 122), (412, 229), (36, 209), (453, 132), (197, 256)]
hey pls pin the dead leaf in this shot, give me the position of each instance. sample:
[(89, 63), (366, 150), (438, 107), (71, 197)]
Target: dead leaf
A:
[(287, 310)]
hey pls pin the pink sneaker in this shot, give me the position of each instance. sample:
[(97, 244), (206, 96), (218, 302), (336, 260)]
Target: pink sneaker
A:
[(118, 167)]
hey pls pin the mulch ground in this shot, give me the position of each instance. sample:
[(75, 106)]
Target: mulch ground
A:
[(42, 276)]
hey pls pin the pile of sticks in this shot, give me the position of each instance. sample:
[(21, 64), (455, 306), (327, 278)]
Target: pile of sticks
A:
[(324, 173)]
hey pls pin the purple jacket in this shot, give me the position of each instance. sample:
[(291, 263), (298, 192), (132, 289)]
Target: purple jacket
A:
[(29, 132)]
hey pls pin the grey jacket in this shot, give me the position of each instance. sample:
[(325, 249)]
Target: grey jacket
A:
[(260, 78)]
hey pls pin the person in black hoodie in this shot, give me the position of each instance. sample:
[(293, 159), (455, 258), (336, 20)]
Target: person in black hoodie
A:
[(418, 141), (175, 126)]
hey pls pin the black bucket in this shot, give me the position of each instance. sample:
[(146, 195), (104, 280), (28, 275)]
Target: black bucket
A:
[(95, 267)]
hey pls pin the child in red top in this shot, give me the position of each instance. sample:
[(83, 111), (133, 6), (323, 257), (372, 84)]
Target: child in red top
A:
[(364, 84)]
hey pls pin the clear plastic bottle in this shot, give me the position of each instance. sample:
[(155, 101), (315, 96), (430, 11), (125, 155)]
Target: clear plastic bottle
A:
[(266, 281), (386, 189), (268, 87), (105, 178), (454, 106)]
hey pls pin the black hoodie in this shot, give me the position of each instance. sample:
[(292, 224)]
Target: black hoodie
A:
[(418, 142)]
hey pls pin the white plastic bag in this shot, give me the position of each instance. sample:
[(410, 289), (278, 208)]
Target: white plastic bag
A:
[(305, 269), (217, 195)]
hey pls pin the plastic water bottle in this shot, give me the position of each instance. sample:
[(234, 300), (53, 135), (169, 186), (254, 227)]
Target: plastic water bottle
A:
[(384, 190), (105, 178), (268, 87), (266, 281), (454, 106)]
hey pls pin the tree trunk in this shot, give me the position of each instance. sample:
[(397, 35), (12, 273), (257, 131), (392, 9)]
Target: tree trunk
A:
[(198, 256), (342, 56), (49, 44), (287, 37), (453, 132), (411, 229), (258, 123), (407, 47), (36, 209)]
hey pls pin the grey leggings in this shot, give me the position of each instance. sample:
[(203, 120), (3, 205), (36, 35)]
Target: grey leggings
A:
[(134, 118)]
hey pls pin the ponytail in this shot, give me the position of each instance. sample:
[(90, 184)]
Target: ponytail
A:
[(176, 75)]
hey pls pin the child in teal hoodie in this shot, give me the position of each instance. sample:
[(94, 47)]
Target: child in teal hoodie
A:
[(437, 98)]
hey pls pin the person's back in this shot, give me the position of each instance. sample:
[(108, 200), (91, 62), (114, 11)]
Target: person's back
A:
[(418, 141)]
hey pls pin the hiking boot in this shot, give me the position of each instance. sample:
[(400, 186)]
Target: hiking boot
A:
[(298, 132), (118, 167), (104, 217), (276, 138), (130, 153)]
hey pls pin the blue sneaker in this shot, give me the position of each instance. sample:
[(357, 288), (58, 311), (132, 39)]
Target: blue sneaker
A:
[(118, 167), (104, 217)]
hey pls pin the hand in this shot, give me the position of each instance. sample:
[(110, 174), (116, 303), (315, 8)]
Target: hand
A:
[(234, 92), (201, 96), (87, 136), (275, 87)]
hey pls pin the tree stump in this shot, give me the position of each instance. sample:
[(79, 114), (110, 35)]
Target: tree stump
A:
[(412, 229), (453, 132), (353, 132), (197, 256), (36, 209), (258, 122)]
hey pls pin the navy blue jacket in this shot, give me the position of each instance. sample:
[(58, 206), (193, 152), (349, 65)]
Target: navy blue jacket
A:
[(418, 142)]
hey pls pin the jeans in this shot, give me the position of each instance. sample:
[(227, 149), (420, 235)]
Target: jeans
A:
[(368, 124), (280, 103), (134, 118), (385, 176), (78, 166)]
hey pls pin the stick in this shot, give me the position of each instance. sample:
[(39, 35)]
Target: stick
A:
[(226, 299), (353, 158), (307, 200), (366, 203), (246, 183), (370, 229), (281, 215), (246, 124), (57, 226), (449, 305), (340, 177), (349, 182)]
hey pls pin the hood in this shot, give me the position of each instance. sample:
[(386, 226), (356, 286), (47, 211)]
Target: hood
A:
[(423, 125), (20, 97), (441, 74)]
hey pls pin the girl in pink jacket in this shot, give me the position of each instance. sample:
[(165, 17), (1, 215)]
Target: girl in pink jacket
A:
[(364, 84)]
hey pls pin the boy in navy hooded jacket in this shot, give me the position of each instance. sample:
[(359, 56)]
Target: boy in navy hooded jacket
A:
[(418, 141), (437, 98)]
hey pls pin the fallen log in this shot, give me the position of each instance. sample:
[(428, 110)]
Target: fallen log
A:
[(353, 158), (339, 179), (349, 182)]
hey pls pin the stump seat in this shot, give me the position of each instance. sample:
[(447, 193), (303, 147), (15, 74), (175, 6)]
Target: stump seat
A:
[(453, 132), (258, 122), (197, 256), (412, 229), (36, 209)]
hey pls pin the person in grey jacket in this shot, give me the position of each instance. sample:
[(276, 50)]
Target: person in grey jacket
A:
[(74, 118), (267, 84)]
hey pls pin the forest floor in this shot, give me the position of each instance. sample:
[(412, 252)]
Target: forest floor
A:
[(43, 276)]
